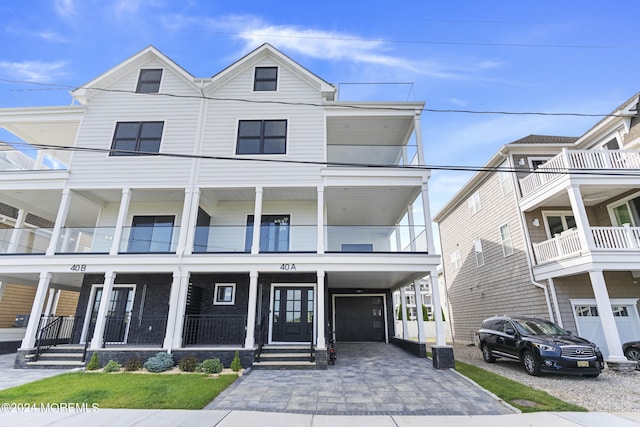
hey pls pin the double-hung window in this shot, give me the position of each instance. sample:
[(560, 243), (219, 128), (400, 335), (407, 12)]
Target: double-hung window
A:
[(477, 246), (505, 240), (265, 79), (149, 81), (474, 203), (136, 138), (262, 137), (456, 260)]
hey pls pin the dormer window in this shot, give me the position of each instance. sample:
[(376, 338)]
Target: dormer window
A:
[(149, 81), (266, 79)]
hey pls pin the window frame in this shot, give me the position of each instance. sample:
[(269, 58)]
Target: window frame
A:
[(563, 217), (620, 202), (262, 137), (257, 80), (138, 139), (473, 202), (456, 260), (142, 81), (543, 159), (503, 241), (219, 286), (505, 179), (479, 253)]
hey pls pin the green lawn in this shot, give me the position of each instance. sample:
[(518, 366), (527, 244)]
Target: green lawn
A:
[(122, 390), (512, 391)]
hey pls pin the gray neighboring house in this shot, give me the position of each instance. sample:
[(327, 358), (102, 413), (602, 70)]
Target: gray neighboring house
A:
[(559, 238)]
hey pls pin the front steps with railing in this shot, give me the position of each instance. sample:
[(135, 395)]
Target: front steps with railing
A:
[(285, 357), (60, 357)]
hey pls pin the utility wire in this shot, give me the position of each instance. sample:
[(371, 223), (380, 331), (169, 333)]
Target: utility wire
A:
[(492, 169), (346, 105)]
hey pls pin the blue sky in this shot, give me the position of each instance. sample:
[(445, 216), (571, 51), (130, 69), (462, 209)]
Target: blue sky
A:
[(504, 55)]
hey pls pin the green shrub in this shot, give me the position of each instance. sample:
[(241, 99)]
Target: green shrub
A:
[(112, 366), (235, 363), (426, 315), (159, 363), (94, 363), (133, 364), (188, 364), (211, 366)]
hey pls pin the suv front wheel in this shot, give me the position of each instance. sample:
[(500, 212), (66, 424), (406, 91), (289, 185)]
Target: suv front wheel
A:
[(486, 354), (530, 363)]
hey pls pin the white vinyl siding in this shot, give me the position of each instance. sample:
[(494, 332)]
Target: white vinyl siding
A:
[(180, 117)]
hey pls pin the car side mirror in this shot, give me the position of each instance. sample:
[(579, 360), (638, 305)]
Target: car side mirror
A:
[(510, 332)]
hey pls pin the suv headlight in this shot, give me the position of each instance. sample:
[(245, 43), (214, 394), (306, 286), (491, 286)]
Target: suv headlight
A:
[(545, 347)]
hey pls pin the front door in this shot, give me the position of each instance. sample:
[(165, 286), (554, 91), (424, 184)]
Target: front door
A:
[(118, 313), (292, 314)]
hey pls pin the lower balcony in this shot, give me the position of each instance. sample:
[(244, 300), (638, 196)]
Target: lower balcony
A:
[(568, 244)]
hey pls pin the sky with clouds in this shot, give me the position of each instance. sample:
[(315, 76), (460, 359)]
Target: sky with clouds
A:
[(499, 55)]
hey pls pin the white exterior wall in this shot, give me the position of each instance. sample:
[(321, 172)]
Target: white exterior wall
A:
[(305, 132), (180, 116)]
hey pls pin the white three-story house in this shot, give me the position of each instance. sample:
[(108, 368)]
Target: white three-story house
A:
[(208, 215)]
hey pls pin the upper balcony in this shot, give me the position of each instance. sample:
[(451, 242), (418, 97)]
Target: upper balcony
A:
[(159, 239), (580, 165)]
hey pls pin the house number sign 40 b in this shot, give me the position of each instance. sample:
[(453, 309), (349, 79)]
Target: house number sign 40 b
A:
[(79, 267), (288, 267)]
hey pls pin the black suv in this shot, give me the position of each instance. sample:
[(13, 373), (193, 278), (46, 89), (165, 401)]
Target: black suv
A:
[(540, 345)]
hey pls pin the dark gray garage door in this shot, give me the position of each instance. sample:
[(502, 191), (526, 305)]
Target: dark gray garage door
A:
[(359, 318)]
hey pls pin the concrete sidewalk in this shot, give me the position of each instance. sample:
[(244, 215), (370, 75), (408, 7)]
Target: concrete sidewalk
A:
[(170, 418)]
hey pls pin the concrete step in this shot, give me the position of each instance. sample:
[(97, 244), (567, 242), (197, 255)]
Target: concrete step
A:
[(55, 364), (275, 364)]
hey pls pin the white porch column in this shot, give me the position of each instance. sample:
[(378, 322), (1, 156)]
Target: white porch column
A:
[(428, 225), (421, 335), (181, 308), (321, 342), (320, 220), (61, 219), (17, 231), (29, 340), (188, 221), (418, 131), (580, 214), (125, 200), (403, 311), (103, 309), (50, 299), (437, 308), (257, 221), (412, 231), (174, 300), (249, 340), (606, 317)]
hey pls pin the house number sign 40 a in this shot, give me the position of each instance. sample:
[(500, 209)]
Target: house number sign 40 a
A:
[(79, 267), (288, 267)]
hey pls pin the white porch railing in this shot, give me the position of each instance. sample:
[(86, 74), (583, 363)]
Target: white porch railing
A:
[(605, 238), (579, 160)]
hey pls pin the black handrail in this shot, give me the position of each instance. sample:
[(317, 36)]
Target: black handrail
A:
[(311, 356), (60, 330)]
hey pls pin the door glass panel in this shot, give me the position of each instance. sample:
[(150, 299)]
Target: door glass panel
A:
[(310, 306), (623, 216)]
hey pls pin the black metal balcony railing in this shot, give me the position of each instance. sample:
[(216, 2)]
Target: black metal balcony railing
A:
[(214, 329), (54, 330), (127, 330)]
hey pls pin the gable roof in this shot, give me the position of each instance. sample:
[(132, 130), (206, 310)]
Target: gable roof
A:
[(84, 92), (268, 51), (545, 139)]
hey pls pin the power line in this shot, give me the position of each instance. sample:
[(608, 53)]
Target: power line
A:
[(492, 169), (316, 104)]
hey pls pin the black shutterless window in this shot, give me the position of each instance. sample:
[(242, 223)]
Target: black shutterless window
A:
[(149, 81), (136, 138), (265, 79), (262, 137)]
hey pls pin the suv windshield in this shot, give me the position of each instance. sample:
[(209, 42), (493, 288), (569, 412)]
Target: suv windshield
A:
[(539, 327)]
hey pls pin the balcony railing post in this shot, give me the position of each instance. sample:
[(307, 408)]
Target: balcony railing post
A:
[(628, 232)]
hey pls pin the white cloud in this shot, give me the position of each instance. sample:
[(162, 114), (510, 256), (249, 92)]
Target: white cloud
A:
[(124, 7), (321, 44), (34, 71), (64, 8)]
